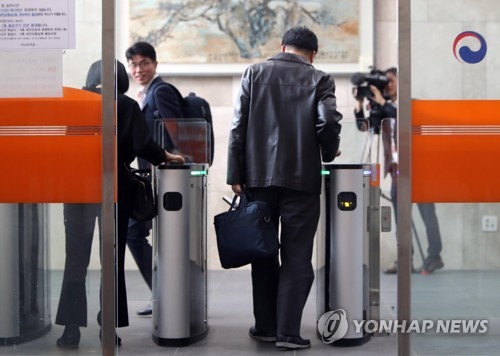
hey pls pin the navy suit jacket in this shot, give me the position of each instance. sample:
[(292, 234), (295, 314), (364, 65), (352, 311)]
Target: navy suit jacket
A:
[(161, 102)]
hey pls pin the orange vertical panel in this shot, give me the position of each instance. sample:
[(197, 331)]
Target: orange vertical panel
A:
[(75, 108), (455, 147), (455, 112), (44, 165)]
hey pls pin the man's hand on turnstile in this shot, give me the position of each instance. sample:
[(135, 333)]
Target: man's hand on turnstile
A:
[(173, 158), (236, 189)]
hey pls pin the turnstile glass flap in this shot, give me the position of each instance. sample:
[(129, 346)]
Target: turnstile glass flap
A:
[(191, 137)]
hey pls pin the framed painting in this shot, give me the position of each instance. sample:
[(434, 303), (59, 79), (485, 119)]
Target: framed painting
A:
[(217, 37)]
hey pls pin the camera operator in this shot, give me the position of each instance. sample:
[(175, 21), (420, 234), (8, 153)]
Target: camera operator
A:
[(385, 105), (380, 105)]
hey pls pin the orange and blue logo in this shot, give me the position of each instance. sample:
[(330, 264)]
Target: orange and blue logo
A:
[(464, 53)]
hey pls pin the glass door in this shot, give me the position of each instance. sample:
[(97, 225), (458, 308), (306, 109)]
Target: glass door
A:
[(57, 186), (449, 140)]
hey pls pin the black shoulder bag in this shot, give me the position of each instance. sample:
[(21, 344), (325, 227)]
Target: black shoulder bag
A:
[(245, 233), (143, 200)]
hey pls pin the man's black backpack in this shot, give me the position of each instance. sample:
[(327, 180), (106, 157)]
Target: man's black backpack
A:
[(196, 107)]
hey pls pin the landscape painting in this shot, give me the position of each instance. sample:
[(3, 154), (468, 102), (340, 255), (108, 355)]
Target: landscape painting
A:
[(243, 31)]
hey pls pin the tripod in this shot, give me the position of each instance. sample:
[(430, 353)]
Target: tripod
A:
[(388, 128)]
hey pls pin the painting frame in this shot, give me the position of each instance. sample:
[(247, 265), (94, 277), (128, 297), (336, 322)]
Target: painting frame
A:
[(363, 62)]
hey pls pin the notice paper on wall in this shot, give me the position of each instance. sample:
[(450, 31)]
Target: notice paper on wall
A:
[(37, 24), (33, 74)]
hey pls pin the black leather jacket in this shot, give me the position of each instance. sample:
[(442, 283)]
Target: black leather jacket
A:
[(285, 116)]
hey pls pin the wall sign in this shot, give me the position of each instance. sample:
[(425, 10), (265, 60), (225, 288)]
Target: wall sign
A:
[(464, 53), (37, 24)]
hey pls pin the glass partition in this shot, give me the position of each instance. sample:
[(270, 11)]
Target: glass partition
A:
[(190, 137), (51, 201), (454, 139), (358, 144)]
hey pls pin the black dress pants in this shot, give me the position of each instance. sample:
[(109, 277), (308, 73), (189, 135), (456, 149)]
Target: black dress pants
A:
[(124, 210), (280, 291), (141, 249), (79, 222), (79, 225)]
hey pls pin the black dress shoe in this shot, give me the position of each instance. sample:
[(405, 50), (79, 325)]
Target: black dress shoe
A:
[(118, 340), (70, 338), (260, 336), (285, 343), (147, 310), (430, 265)]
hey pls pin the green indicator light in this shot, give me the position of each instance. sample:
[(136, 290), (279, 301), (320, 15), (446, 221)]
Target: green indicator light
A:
[(325, 173), (198, 173)]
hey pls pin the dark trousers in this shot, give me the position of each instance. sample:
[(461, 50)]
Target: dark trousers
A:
[(280, 292), (141, 249), (124, 210), (428, 213), (79, 225), (429, 217), (137, 241)]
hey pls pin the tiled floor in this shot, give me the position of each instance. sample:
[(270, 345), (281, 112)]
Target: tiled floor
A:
[(456, 295), (443, 295)]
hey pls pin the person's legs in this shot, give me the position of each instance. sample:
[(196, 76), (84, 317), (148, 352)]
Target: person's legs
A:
[(121, 244), (142, 252), (140, 248), (433, 260), (79, 224), (428, 212), (265, 276), (299, 213), (122, 214)]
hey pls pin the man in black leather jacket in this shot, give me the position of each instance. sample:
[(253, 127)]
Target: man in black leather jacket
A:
[(285, 121)]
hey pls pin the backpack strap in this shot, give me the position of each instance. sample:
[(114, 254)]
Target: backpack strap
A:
[(179, 95), (152, 102), (153, 89), (174, 89)]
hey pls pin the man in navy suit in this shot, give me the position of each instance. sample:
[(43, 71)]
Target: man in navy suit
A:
[(157, 101)]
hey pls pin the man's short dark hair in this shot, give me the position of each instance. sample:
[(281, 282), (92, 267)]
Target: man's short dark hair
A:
[(392, 70), (300, 37), (142, 49)]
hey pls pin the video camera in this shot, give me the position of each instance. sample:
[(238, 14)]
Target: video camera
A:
[(362, 90), (362, 82)]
